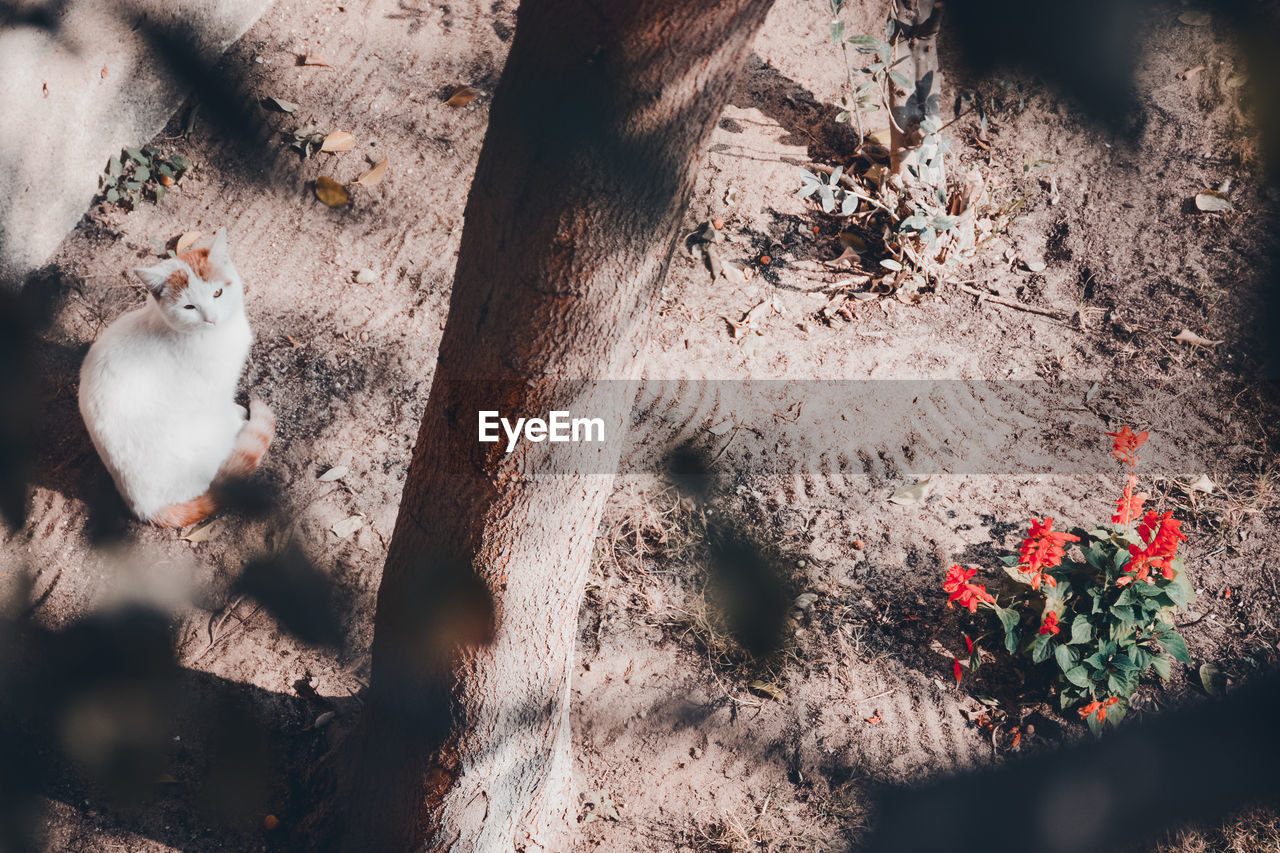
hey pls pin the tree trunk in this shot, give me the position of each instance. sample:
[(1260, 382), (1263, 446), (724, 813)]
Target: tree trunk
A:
[(595, 133), (916, 107)]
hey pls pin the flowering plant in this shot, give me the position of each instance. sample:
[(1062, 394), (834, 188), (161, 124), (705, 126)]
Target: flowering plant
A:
[(1103, 612)]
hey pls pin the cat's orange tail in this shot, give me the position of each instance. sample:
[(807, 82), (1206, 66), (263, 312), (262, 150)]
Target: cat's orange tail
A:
[(190, 512), (251, 444)]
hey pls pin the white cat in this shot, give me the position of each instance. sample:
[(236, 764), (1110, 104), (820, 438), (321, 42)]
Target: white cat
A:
[(157, 390)]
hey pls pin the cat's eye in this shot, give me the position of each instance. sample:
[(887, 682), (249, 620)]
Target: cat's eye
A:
[(217, 293), (189, 307)]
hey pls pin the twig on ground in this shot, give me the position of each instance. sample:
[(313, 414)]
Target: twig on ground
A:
[(1008, 303)]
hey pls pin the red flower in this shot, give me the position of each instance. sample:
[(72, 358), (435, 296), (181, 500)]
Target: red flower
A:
[(1050, 624), (968, 643), (1130, 505), (1161, 533), (967, 594), (1126, 445), (955, 664), (1099, 707), (1043, 549)]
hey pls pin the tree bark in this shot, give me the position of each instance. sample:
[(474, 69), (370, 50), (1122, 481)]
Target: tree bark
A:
[(915, 108), (595, 132)]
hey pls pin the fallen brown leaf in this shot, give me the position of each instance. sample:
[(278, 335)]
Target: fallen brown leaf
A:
[(312, 59), (338, 141), (462, 96), (186, 241), (331, 192), (377, 173), (767, 689), (347, 526), (1187, 336)]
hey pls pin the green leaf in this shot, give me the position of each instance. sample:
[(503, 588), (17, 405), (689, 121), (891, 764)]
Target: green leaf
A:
[(1011, 640), (1042, 648), (837, 31), (1212, 679), (137, 156), (1175, 645), (901, 80), (1095, 725), (1180, 590), (1065, 656), (1163, 665), (113, 195), (113, 167), (143, 174), (160, 191), (1078, 676), (863, 40), (1081, 630), (891, 264), (1009, 618), (1124, 614), (179, 162), (1123, 663)]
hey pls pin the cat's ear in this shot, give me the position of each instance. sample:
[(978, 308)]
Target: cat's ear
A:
[(219, 254), (162, 275)]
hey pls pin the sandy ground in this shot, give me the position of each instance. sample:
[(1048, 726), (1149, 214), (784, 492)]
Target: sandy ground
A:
[(665, 725)]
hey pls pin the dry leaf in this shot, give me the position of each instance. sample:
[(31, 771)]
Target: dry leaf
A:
[(1187, 336), (1034, 266), (200, 532), (1195, 18), (312, 59), (721, 428), (331, 192), (1203, 484), (338, 141), (1211, 201), (371, 177), (874, 718), (187, 240), (1235, 81), (462, 96), (805, 600), (366, 277), (337, 472), (767, 689), (348, 526), (281, 105), (913, 494)]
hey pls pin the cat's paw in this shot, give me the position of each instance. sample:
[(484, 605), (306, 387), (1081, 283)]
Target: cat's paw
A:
[(261, 416)]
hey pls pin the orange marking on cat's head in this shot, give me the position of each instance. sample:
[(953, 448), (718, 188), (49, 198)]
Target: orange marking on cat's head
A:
[(198, 260), (177, 282)]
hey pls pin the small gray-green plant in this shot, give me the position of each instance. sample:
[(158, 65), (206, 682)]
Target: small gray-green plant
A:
[(139, 173)]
